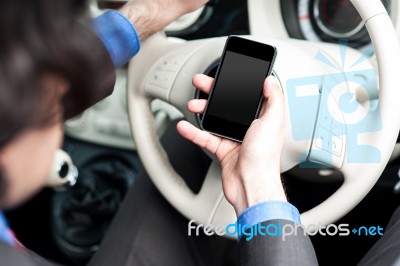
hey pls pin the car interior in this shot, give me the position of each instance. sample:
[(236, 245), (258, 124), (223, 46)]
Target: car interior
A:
[(116, 140)]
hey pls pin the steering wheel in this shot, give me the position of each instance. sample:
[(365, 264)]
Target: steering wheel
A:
[(164, 70)]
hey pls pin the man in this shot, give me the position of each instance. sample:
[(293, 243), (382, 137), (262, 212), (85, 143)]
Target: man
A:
[(53, 67)]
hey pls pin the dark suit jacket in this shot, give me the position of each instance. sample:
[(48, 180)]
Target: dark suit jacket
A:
[(261, 250), (10, 256), (387, 250), (272, 250)]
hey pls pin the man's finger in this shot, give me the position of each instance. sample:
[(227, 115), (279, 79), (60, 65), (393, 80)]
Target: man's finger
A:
[(203, 82), (273, 96), (272, 88), (199, 137), (197, 106)]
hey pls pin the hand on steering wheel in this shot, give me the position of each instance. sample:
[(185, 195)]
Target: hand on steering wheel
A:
[(150, 16), (250, 171)]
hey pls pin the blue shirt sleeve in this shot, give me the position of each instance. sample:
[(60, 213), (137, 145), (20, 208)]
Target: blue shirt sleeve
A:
[(268, 210), (118, 35), (5, 232)]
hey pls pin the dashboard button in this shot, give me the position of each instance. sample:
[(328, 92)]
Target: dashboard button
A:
[(323, 139), (337, 145)]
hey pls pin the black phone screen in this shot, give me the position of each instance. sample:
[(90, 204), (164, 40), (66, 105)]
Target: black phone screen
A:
[(235, 99), (237, 90)]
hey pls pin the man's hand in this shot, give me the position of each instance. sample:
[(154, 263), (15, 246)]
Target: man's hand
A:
[(251, 170), (150, 16)]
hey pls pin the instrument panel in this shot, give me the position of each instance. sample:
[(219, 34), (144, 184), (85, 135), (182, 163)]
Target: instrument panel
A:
[(334, 21)]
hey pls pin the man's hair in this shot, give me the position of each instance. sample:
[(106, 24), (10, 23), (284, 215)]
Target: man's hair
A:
[(47, 37), (40, 38)]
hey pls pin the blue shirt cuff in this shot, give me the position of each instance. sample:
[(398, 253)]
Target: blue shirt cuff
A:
[(5, 232), (118, 35), (266, 211)]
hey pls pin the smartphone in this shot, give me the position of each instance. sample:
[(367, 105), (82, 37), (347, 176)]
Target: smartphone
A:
[(236, 96)]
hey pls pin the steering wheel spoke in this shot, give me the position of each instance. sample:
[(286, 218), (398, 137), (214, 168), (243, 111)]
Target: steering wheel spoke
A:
[(211, 192)]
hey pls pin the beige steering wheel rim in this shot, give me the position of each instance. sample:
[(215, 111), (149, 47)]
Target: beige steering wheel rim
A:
[(209, 205)]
